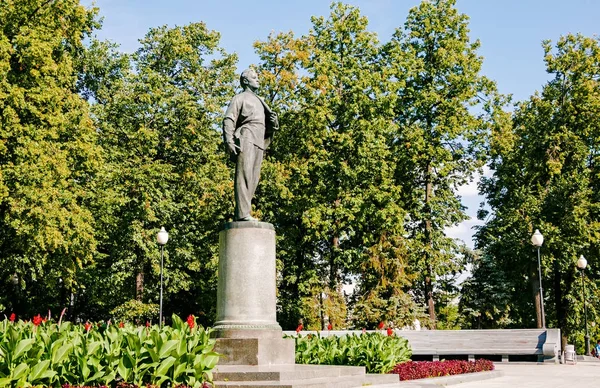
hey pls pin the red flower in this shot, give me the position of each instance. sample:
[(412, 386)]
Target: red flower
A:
[(364, 330), (390, 331), (329, 326), (12, 317), (381, 325), (37, 320), (147, 323), (87, 326), (121, 325), (299, 328), (191, 321)]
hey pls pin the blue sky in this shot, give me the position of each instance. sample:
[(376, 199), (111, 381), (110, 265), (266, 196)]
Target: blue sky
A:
[(510, 31)]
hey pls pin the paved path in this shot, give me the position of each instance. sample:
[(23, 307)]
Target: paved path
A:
[(581, 375)]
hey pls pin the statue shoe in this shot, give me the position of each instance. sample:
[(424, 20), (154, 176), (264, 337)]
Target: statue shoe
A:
[(247, 218)]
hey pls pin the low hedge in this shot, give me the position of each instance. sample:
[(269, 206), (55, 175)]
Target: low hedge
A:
[(423, 369), (377, 352)]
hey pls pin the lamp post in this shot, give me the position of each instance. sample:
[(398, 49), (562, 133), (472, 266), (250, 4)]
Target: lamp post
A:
[(162, 237), (581, 264), (537, 240)]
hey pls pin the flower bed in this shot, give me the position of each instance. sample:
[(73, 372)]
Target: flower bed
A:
[(423, 369), (377, 352), (127, 385), (47, 354)]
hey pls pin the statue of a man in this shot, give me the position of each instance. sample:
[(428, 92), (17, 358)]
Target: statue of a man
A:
[(248, 129)]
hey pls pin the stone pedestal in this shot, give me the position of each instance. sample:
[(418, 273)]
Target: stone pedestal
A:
[(246, 329), (248, 336)]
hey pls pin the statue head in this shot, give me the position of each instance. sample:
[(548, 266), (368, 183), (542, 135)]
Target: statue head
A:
[(249, 79)]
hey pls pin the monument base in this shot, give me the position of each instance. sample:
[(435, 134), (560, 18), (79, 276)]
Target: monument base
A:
[(246, 329), (298, 376), (256, 351)]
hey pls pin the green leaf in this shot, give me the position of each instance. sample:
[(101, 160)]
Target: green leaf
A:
[(22, 347), (96, 377), (38, 370), (20, 371), (179, 369), (123, 371), (164, 366), (209, 360), (182, 347), (93, 347), (59, 354), (167, 348)]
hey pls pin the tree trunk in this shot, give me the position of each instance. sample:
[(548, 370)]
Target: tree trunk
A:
[(139, 285), (429, 242), (335, 245), (535, 293), (322, 312), (561, 313)]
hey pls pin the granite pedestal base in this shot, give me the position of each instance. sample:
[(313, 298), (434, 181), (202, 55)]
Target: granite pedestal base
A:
[(255, 351), (246, 329)]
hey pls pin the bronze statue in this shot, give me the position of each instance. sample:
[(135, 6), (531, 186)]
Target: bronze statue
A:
[(248, 129)]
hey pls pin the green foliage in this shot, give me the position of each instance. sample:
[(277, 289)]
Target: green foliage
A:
[(546, 178), (135, 311), (485, 300), (444, 110), (49, 157), (374, 142), (157, 116), (375, 351), (52, 355), (332, 194)]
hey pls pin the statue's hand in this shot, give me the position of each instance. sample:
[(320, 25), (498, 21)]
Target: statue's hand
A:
[(232, 148), (274, 121)]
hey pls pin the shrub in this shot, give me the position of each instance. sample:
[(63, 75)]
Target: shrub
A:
[(378, 353), (423, 369), (46, 354), (135, 311)]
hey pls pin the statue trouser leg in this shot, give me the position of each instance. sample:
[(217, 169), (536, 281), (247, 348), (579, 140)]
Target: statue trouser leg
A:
[(247, 174)]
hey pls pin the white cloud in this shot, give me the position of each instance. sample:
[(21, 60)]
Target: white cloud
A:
[(470, 189), (464, 231)]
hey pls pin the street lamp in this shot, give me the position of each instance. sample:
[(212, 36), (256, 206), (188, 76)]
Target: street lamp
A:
[(162, 237), (537, 240), (581, 264)]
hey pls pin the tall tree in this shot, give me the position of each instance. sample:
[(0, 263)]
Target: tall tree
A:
[(444, 109), (546, 178), (48, 153), (158, 120), (336, 204)]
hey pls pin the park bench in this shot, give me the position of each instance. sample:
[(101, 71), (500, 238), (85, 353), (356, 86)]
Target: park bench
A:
[(504, 344)]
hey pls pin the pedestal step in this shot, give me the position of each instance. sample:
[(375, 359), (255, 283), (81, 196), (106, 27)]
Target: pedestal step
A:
[(297, 376)]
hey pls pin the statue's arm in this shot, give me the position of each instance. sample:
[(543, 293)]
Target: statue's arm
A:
[(229, 122), (228, 131)]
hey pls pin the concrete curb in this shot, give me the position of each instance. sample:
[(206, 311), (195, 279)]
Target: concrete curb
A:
[(451, 380), (584, 358)]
